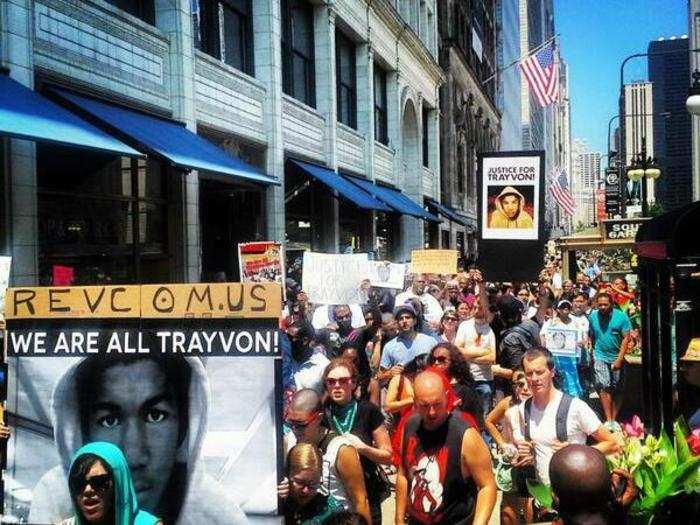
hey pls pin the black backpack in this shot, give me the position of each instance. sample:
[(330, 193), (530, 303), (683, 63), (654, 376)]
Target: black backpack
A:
[(562, 414)]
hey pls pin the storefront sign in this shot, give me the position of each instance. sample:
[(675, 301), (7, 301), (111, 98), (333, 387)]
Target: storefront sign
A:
[(511, 197), (600, 204), (613, 192), (622, 228), (261, 262), (383, 274), (190, 368), (333, 278), (443, 262)]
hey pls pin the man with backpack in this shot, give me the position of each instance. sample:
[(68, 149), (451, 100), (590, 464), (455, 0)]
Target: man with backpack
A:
[(551, 420), (518, 334)]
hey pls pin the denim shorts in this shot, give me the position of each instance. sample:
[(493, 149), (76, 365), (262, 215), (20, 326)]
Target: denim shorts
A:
[(605, 377)]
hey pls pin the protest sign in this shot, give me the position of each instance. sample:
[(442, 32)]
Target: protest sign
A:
[(331, 278), (562, 341), (434, 261), (261, 262), (384, 274), (5, 263), (85, 362)]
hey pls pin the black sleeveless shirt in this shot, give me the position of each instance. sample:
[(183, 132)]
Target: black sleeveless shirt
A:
[(437, 491)]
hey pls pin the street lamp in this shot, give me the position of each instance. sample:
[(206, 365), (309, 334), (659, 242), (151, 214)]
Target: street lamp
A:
[(693, 102), (643, 168)]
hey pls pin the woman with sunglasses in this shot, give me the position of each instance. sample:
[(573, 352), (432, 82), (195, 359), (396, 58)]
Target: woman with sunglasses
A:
[(515, 505), (447, 359), (101, 488), (362, 424), (305, 505), (448, 326)]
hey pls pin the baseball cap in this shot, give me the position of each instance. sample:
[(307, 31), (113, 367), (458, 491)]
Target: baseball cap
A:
[(564, 303), (406, 308)]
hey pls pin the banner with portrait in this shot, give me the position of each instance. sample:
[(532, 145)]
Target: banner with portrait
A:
[(261, 262), (511, 208), (384, 274), (182, 378), (511, 197)]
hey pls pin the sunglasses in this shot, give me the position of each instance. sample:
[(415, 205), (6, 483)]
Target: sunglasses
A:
[(452, 319), (301, 425), (441, 359), (343, 317), (98, 483), (305, 484), (519, 384), (338, 381)]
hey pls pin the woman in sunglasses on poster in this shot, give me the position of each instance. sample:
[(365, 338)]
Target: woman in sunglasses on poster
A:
[(362, 424), (101, 488)]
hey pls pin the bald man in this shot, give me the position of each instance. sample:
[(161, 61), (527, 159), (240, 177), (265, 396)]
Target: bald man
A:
[(342, 475), (445, 473), (584, 490)]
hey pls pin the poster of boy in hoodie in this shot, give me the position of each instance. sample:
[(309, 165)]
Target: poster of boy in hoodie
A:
[(198, 432), (510, 197)]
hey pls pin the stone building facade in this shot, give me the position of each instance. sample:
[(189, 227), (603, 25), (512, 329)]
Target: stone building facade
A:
[(350, 86)]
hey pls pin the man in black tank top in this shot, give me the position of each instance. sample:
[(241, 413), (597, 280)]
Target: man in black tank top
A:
[(445, 473)]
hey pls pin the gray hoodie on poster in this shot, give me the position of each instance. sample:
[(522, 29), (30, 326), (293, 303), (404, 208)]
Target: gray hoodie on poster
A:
[(205, 500)]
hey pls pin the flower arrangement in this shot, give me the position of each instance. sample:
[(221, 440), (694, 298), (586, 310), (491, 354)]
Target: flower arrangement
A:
[(663, 470)]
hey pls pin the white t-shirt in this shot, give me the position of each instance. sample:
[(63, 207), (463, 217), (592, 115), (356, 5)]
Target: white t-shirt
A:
[(581, 422), (310, 373), (431, 306), (470, 334)]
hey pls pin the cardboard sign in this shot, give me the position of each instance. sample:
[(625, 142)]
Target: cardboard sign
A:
[(384, 274), (442, 262), (192, 369), (331, 278), (218, 300)]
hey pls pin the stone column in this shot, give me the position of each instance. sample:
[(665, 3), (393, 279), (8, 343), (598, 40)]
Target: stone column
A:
[(365, 122), (173, 17), (267, 33), (324, 47), (18, 54)]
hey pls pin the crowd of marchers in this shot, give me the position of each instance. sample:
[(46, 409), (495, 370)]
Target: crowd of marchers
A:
[(419, 395)]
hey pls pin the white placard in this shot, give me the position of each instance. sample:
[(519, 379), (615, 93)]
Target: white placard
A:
[(383, 274), (333, 278), (510, 197), (562, 341)]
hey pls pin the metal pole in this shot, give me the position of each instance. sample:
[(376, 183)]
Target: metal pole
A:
[(645, 204), (665, 348)]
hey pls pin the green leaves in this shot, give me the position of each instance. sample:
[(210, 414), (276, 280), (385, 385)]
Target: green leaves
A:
[(542, 493)]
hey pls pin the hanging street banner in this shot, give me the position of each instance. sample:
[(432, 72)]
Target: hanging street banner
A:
[(613, 192), (334, 278), (511, 214), (190, 369), (443, 262)]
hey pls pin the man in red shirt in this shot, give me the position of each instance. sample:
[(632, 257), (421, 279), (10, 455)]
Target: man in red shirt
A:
[(445, 474)]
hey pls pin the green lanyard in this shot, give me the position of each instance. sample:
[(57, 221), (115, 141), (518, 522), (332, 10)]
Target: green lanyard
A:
[(344, 426)]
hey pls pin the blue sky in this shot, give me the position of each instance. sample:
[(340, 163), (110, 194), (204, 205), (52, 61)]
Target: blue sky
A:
[(596, 36)]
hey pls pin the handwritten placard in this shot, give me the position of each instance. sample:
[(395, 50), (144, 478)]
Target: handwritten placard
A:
[(332, 278), (434, 261)]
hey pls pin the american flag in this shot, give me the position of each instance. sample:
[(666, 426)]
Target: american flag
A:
[(560, 192), (542, 73)]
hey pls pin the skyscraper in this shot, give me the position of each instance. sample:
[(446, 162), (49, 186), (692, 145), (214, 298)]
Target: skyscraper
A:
[(508, 97), (669, 74), (584, 179)]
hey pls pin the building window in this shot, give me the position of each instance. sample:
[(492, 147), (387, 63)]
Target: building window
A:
[(460, 169), (143, 9), (102, 218), (223, 29), (298, 76), (461, 29), (381, 133), (346, 86), (426, 138)]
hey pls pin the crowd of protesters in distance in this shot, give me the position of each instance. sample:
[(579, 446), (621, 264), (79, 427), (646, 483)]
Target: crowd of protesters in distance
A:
[(421, 393)]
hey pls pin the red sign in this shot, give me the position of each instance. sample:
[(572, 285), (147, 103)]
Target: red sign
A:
[(600, 205)]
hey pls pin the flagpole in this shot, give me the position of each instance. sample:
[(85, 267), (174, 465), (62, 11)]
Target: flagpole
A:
[(532, 51)]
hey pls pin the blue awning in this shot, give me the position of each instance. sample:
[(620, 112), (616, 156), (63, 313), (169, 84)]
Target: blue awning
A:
[(166, 138), (344, 188), (394, 198), (446, 212), (25, 114)]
